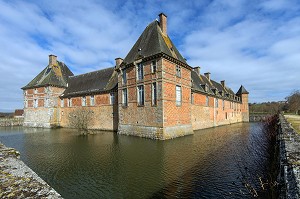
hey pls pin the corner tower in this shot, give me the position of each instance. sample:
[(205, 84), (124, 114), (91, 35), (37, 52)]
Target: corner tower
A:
[(243, 94), (41, 95)]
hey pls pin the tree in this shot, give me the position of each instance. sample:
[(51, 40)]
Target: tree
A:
[(81, 119), (294, 101)]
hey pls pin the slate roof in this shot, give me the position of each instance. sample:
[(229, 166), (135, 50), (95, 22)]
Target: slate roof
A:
[(199, 82), (93, 82), (54, 75), (151, 42), (242, 90)]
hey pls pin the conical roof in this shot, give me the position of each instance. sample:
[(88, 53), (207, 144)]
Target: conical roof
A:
[(242, 90), (152, 41)]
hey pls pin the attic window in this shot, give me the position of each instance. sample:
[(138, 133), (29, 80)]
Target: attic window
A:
[(47, 71)]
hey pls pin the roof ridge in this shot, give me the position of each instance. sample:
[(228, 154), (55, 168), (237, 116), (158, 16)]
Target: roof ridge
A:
[(92, 72)]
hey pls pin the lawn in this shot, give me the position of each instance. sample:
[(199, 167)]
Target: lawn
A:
[(295, 121)]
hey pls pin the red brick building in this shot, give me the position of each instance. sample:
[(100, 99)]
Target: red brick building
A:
[(152, 93)]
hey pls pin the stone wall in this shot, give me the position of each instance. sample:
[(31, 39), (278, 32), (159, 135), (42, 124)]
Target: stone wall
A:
[(289, 177), (12, 121), (18, 181)]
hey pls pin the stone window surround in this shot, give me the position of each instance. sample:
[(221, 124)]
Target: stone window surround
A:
[(154, 93), (178, 94), (140, 95), (154, 66)]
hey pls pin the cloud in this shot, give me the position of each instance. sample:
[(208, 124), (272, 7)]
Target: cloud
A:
[(251, 43)]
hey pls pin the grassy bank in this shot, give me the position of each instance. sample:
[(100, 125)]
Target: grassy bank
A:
[(295, 121)]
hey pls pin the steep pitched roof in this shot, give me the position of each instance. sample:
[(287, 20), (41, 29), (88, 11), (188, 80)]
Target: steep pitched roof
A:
[(198, 81), (242, 90), (152, 41), (55, 75), (93, 82)]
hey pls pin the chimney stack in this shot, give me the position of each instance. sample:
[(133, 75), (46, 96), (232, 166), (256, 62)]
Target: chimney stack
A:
[(118, 62), (197, 70), (163, 23), (207, 75), (223, 83), (52, 60)]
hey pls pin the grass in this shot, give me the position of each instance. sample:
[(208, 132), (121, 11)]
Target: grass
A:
[(295, 121)]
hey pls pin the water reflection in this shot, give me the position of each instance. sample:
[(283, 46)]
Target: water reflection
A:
[(106, 165)]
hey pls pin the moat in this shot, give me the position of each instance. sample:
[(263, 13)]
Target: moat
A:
[(208, 164)]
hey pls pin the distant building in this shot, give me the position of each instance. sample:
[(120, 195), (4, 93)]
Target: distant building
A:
[(152, 93), (19, 113)]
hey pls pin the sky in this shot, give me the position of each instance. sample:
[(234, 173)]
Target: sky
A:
[(251, 43)]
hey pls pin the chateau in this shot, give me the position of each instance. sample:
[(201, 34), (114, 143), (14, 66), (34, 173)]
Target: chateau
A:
[(153, 92)]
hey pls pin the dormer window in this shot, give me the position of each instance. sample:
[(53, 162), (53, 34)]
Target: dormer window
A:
[(221, 93), (205, 87)]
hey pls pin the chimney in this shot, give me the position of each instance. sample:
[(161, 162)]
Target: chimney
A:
[(223, 83), (163, 23), (52, 60), (197, 70), (207, 75), (118, 62)]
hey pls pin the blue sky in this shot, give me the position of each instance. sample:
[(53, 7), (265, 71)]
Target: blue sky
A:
[(253, 43)]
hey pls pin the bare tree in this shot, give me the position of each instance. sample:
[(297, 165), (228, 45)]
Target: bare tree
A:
[(294, 101), (81, 119)]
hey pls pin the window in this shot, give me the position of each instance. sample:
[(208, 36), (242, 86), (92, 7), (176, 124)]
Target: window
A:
[(46, 103), (124, 97), (178, 95), (178, 71), (154, 93), (124, 77), (140, 71), (62, 103), (153, 66), (140, 95), (112, 98), (192, 98), (83, 101), (35, 105), (25, 103), (69, 102), (92, 100), (47, 89), (223, 104), (207, 101), (217, 103), (35, 91)]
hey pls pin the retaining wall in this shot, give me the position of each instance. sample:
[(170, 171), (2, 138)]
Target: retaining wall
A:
[(289, 177)]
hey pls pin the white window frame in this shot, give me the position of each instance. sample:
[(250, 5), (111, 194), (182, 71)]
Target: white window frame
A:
[(125, 97), (207, 101), (92, 100), (26, 103), (62, 102), (223, 104), (69, 102), (216, 103), (140, 95), (124, 76), (192, 98), (140, 71), (35, 103), (153, 66), (111, 98), (46, 102), (35, 91), (154, 94), (83, 101), (178, 94), (178, 71)]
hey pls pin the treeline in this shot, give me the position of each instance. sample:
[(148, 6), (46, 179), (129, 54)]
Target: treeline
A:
[(291, 105)]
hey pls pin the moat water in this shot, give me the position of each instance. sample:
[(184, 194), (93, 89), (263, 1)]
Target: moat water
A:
[(208, 164)]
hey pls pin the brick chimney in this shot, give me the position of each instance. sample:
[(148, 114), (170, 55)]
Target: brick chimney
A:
[(197, 70), (163, 23), (207, 75), (118, 62), (52, 60), (223, 83)]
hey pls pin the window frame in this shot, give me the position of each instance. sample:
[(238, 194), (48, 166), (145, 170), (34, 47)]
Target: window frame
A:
[(140, 95), (69, 102), (178, 94), (207, 101), (178, 71), (125, 97), (92, 100), (140, 71), (154, 93), (154, 66), (124, 76), (83, 101), (62, 103), (111, 98)]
